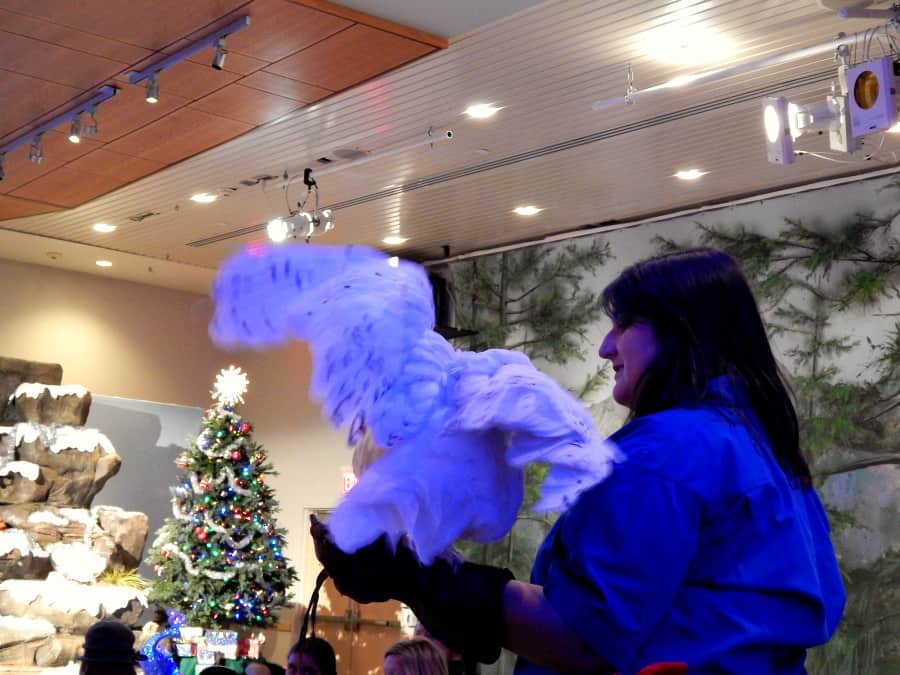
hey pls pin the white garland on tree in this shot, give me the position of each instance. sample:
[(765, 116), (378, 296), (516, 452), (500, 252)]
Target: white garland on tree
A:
[(212, 574)]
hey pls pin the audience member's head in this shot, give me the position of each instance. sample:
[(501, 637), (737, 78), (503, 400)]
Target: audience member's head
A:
[(218, 670), (109, 650), (257, 668), (418, 656), (311, 656)]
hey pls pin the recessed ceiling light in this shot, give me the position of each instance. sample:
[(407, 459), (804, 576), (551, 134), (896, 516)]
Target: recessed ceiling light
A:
[(103, 263), (481, 111), (527, 210), (394, 240), (204, 198), (687, 45), (690, 174), (105, 228)]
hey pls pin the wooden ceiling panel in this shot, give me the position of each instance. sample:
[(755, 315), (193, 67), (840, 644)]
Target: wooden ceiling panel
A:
[(57, 151), (68, 187), (19, 110), (279, 28), (126, 167), (349, 57), (246, 105), (11, 207), (184, 133), (283, 86), (64, 36), (127, 111), (151, 25), (53, 54), (54, 63)]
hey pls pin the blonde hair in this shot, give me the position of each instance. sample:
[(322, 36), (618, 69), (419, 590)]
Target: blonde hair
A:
[(365, 453), (419, 656)]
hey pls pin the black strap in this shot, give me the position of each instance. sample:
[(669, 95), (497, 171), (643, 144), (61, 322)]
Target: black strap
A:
[(309, 619)]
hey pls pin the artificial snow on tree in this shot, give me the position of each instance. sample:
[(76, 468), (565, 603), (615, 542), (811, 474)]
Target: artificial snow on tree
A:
[(220, 556)]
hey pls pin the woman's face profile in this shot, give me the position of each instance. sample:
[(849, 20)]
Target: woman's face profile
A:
[(630, 349)]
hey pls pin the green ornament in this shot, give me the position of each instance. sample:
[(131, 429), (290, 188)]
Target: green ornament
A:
[(220, 434)]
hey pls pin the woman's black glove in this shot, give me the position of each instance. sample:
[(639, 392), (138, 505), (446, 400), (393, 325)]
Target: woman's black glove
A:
[(461, 604)]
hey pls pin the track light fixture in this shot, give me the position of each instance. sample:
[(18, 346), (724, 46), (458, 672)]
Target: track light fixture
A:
[(70, 116), (75, 129), (215, 39), (36, 152), (90, 129), (219, 59), (152, 95), (300, 223)]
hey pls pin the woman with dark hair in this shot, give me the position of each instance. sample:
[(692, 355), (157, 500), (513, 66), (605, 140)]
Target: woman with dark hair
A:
[(707, 545), (311, 656)]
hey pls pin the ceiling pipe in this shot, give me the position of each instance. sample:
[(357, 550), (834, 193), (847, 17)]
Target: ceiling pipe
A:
[(430, 138), (681, 81)]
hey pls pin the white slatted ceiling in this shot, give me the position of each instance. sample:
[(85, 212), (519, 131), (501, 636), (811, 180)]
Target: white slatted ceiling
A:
[(546, 66)]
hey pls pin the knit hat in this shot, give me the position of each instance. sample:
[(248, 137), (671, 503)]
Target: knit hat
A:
[(110, 642)]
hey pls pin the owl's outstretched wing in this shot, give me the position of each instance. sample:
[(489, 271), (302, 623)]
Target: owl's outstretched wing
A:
[(457, 426), (543, 423), (367, 319)]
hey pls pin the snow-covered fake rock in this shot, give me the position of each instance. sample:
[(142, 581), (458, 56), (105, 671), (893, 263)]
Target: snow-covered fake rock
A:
[(52, 404), (74, 462), (69, 605), (21, 557), (77, 561), (21, 482), (18, 629), (14, 372)]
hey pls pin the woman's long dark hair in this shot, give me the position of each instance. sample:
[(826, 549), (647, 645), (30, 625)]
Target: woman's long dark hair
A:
[(708, 324)]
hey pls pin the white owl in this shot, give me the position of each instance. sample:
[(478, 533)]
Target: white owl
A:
[(457, 427)]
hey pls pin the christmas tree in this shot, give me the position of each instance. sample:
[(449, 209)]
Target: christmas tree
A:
[(220, 556)]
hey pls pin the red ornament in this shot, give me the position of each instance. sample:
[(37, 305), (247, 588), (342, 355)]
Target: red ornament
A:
[(236, 456), (245, 428), (202, 536)]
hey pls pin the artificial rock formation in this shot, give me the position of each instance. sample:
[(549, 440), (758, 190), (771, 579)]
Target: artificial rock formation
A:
[(53, 543)]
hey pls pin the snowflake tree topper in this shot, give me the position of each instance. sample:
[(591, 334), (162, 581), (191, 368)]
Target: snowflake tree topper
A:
[(230, 387)]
